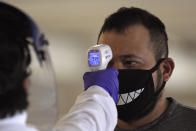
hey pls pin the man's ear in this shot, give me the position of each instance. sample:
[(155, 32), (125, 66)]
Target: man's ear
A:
[(167, 68)]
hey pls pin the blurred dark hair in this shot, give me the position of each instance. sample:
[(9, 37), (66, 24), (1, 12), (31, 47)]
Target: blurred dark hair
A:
[(14, 62), (13, 71), (126, 17)]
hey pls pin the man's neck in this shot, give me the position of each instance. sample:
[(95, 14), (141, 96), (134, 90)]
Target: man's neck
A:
[(158, 110)]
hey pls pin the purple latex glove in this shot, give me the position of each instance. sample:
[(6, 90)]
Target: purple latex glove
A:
[(107, 79)]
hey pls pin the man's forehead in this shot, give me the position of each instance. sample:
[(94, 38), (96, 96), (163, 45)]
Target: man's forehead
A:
[(134, 43), (137, 34)]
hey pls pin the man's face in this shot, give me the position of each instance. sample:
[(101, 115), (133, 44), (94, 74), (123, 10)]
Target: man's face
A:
[(131, 49)]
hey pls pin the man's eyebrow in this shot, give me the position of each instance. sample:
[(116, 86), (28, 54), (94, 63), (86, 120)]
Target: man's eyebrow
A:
[(130, 56)]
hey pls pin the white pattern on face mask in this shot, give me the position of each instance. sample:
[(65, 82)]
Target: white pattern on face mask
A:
[(129, 97)]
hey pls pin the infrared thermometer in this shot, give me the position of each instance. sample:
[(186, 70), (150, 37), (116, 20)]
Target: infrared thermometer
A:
[(99, 56)]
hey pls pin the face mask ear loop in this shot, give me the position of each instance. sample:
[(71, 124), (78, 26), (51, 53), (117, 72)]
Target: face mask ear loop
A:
[(157, 65), (160, 89), (153, 70)]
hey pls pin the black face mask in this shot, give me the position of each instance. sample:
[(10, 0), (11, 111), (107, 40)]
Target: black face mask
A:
[(137, 95)]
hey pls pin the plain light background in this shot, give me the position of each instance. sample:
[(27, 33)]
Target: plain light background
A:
[(72, 26)]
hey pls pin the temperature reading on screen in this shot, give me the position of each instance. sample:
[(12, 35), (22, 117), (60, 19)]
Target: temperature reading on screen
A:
[(94, 58)]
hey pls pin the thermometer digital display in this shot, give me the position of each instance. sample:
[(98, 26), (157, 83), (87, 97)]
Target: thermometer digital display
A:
[(94, 58)]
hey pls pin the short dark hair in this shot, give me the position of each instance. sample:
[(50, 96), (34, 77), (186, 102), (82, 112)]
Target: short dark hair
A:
[(14, 62), (126, 17)]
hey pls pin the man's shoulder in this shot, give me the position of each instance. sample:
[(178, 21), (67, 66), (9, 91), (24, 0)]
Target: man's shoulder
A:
[(187, 111), (183, 108), (182, 117)]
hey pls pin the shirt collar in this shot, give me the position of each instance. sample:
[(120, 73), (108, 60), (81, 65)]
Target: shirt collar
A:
[(19, 118)]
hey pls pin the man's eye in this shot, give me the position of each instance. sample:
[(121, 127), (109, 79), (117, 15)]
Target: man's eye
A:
[(130, 63)]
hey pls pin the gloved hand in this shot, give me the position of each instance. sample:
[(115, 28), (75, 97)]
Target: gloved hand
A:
[(107, 79)]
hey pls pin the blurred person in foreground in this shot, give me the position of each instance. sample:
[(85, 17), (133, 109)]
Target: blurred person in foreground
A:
[(139, 44), (94, 109)]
